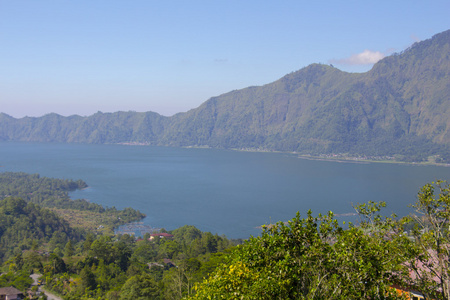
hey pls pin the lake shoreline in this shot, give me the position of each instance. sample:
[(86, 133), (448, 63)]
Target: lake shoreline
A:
[(368, 161), (344, 159), (330, 157)]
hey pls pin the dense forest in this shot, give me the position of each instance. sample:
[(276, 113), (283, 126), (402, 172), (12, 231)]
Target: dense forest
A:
[(24, 225), (38, 209), (44, 191), (53, 193), (399, 109), (121, 267)]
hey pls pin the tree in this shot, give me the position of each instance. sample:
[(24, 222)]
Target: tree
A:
[(87, 279), (102, 249), (187, 234), (309, 258), (173, 281), (20, 280), (431, 263), (121, 253), (58, 265), (68, 250), (179, 281), (32, 261), (88, 241), (169, 248), (139, 287), (145, 251)]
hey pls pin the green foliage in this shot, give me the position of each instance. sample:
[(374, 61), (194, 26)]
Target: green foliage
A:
[(140, 287), (310, 258), (87, 279), (187, 234), (430, 263), (22, 223), (44, 191), (96, 266), (53, 193), (20, 280), (68, 250), (121, 267), (315, 258), (56, 264)]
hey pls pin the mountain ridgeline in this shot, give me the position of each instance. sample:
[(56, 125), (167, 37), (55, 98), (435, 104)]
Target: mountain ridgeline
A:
[(400, 107)]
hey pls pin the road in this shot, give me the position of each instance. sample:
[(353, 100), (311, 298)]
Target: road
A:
[(50, 296)]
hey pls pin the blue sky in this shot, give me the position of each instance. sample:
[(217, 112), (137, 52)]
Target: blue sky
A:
[(84, 56)]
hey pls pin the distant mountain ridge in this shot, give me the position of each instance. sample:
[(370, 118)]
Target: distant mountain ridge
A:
[(401, 106)]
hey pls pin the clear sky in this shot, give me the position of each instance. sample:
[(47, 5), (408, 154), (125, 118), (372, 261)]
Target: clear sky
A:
[(84, 56)]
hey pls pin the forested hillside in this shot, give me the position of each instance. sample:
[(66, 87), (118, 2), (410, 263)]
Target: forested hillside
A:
[(85, 263), (53, 193), (38, 209), (400, 107), (81, 263), (22, 224), (44, 191)]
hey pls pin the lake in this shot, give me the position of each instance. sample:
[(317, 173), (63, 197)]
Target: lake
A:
[(221, 191)]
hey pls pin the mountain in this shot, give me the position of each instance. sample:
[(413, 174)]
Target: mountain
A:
[(99, 128), (401, 106)]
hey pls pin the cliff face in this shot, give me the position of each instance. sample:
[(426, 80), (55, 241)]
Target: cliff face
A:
[(401, 106)]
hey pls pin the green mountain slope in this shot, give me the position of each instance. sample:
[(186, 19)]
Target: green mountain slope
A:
[(21, 223), (99, 128), (401, 107)]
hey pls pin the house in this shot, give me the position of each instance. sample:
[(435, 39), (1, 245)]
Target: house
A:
[(161, 235), (417, 271), (10, 293), (168, 263), (408, 293)]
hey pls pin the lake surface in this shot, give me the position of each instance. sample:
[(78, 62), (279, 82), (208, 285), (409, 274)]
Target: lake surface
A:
[(224, 192)]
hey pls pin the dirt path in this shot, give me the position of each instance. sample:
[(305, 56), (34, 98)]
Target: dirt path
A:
[(50, 296)]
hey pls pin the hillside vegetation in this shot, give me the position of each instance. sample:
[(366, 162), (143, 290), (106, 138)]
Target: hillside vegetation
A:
[(400, 107), (23, 223), (81, 263), (37, 209), (85, 266)]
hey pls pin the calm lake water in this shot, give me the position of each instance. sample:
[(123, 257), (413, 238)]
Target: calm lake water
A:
[(220, 191)]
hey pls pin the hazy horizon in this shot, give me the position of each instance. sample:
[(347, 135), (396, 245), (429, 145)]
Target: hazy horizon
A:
[(82, 57), (99, 111)]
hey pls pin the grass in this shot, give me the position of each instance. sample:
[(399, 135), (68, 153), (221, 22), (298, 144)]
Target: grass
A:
[(89, 220)]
